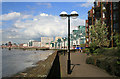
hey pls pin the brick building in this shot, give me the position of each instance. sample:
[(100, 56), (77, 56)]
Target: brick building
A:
[(109, 13)]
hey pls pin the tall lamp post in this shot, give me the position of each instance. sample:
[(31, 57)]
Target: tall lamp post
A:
[(64, 15)]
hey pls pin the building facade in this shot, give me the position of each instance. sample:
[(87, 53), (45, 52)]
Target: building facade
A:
[(78, 37), (109, 13), (30, 43), (87, 34), (36, 44), (58, 42), (45, 41)]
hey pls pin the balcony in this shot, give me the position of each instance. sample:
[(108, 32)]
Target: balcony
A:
[(97, 14)]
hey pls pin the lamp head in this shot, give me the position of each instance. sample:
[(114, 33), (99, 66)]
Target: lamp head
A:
[(63, 15), (74, 14)]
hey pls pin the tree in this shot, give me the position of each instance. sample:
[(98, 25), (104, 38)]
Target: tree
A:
[(98, 33), (59, 41)]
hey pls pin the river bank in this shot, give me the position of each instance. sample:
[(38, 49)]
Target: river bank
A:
[(41, 69), (17, 60), (26, 48)]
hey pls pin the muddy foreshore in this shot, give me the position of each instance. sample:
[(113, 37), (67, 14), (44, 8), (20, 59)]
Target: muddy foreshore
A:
[(41, 69)]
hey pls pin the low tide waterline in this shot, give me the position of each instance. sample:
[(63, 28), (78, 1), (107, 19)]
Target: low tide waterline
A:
[(17, 60)]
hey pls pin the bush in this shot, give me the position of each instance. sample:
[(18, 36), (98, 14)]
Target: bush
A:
[(117, 53), (107, 63), (90, 60), (108, 51), (99, 50)]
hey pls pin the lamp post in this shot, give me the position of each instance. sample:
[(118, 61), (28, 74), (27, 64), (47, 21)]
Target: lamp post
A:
[(64, 15)]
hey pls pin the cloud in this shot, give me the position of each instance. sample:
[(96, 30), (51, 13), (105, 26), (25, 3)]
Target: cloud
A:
[(10, 16), (46, 4), (0, 24), (26, 16), (39, 25), (43, 14), (86, 4)]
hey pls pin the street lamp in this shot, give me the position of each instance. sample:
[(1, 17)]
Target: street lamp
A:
[(64, 15)]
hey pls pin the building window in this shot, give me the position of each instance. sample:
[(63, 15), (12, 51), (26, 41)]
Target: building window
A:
[(93, 11), (104, 5), (115, 5), (103, 15), (76, 42), (97, 3), (115, 15), (103, 8), (88, 13), (115, 27)]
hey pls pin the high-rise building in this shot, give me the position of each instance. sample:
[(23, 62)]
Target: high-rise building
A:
[(109, 13)]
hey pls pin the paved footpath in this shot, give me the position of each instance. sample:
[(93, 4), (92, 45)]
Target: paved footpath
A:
[(79, 67)]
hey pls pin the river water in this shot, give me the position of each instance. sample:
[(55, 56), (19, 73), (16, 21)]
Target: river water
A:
[(16, 60)]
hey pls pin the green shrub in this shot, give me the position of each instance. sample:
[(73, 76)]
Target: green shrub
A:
[(100, 50), (107, 63), (117, 53), (90, 60), (107, 59), (108, 51)]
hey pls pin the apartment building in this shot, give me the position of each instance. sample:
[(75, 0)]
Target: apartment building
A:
[(87, 33), (78, 36), (109, 13)]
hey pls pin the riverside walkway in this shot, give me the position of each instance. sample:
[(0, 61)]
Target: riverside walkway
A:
[(79, 67)]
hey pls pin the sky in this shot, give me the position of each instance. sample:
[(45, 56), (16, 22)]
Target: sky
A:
[(23, 21)]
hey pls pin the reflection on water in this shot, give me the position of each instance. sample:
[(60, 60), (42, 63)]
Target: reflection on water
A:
[(17, 60)]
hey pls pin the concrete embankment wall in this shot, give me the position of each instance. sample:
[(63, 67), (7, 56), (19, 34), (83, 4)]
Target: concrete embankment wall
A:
[(55, 69)]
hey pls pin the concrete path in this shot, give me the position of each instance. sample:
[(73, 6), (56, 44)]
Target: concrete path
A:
[(79, 67)]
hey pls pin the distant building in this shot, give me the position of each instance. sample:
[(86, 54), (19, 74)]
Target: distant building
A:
[(30, 43), (45, 41), (9, 43), (77, 37), (58, 42), (21, 45), (14, 45), (36, 44), (52, 45), (64, 43), (25, 45)]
